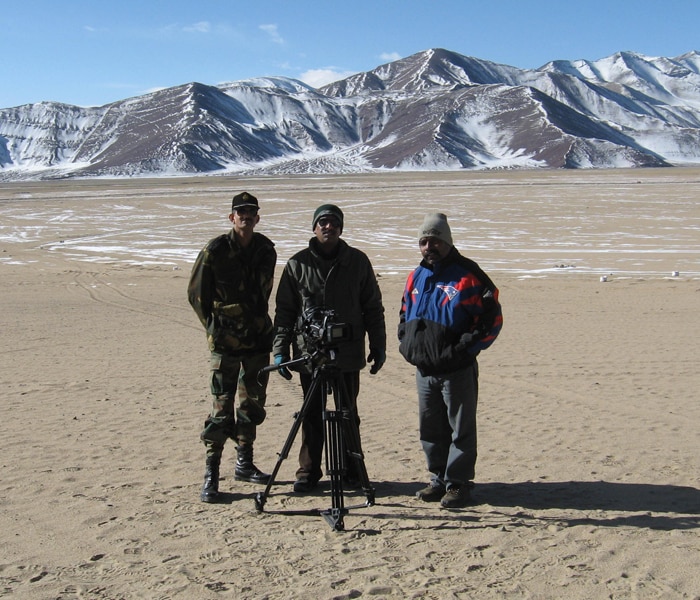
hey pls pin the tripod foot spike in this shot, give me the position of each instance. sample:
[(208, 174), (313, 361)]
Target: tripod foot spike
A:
[(334, 517), (260, 501)]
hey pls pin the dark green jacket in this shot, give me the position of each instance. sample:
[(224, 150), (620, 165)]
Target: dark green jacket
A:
[(347, 285), (230, 288)]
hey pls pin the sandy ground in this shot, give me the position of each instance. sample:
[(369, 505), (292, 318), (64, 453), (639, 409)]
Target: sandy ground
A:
[(588, 479)]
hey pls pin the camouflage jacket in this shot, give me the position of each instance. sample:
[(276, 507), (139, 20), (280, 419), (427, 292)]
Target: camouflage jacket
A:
[(230, 288)]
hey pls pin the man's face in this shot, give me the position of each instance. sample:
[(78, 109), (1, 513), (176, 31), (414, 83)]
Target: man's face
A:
[(244, 218), (433, 249), (328, 230)]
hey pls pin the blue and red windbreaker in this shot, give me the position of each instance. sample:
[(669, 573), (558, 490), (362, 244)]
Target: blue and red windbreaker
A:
[(449, 313)]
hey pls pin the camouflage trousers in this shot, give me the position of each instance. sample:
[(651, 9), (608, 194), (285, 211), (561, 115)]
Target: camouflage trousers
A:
[(231, 375)]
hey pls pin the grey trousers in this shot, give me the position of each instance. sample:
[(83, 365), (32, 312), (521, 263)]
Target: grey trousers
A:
[(447, 424)]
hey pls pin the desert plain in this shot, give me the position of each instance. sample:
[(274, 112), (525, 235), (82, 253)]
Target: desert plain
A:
[(588, 478)]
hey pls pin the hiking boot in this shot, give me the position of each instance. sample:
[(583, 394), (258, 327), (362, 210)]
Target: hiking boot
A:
[(456, 497), (210, 489), (304, 484), (431, 493), (245, 468)]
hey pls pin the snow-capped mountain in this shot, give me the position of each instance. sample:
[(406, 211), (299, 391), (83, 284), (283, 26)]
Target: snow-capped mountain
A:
[(435, 110)]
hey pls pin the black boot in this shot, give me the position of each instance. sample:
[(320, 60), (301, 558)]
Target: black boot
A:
[(210, 489), (245, 469)]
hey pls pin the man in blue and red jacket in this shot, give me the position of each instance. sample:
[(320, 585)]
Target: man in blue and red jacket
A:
[(449, 313)]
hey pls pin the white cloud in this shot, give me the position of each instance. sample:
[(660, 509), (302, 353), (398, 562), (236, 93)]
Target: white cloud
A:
[(390, 56), (320, 77), (201, 27), (271, 30)]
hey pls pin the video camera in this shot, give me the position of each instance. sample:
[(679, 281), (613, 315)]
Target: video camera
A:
[(321, 335), (320, 331)]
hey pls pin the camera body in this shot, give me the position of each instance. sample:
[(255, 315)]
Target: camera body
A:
[(320, 331)]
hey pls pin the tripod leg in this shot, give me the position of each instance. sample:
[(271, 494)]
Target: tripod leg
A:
[(354, 451), (335, 467), (261, 497), (351, 438)]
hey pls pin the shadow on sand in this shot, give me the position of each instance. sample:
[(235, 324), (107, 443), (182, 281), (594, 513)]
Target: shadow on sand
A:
[(651, 506), (683, 503)]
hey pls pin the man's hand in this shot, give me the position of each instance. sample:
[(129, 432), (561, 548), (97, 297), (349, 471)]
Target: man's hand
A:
[(377, 356), (284, 371), (465, 341)]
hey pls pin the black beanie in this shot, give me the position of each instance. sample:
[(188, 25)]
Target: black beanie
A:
[(325, 210)]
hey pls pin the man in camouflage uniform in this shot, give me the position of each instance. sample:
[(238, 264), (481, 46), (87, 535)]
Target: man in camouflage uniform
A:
[(229, 289)]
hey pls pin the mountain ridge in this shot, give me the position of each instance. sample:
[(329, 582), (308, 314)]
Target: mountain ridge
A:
[(434, 110)]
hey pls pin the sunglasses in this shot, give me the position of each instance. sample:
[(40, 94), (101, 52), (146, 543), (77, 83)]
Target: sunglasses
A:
[(328, 221)]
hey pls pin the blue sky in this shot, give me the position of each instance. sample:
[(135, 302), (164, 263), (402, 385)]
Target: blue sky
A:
[(92, 52)]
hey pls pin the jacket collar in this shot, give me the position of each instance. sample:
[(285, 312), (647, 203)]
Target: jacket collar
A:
[(451, 258), (340, 254)]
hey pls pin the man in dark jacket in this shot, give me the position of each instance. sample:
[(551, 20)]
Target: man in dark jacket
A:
[(229, 289), (449, 313), (328, 274)]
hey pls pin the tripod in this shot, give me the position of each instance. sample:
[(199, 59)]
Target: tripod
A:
[(341, 439)]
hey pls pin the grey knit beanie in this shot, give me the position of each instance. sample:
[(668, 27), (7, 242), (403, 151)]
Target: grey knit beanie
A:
[(435, 225)]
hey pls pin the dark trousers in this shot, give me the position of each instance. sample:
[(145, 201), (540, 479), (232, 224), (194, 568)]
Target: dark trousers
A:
[(312, 427), (447, 421)]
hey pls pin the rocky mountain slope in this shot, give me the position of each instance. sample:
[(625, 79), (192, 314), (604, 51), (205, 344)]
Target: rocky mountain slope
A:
[(435, 110)]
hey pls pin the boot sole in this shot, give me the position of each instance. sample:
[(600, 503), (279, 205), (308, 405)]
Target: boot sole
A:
[(252, 479)]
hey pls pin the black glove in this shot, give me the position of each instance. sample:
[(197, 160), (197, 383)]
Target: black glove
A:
[(377, 356), (465, 340)]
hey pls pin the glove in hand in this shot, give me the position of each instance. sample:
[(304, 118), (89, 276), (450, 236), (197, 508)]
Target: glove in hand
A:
[(465, 341), (377, 356), (284, 371)]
